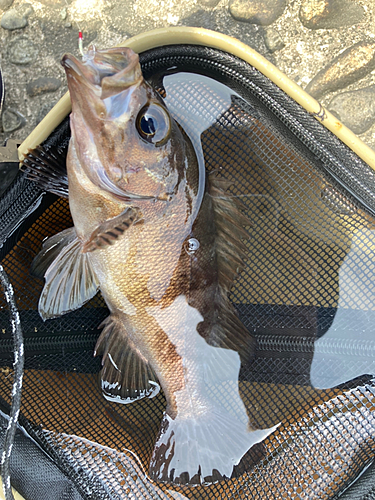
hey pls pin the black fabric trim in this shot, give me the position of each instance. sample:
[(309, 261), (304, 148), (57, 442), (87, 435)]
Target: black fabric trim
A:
[(33, 474), (363, 488), (337, 159)]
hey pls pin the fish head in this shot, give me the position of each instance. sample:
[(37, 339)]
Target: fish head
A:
[(126, 140)]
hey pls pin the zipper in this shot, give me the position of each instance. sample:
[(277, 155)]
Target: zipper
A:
[(77, 341), (335, 346), (42, 345)]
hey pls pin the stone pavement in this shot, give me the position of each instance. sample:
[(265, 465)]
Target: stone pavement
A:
[(326, 46)]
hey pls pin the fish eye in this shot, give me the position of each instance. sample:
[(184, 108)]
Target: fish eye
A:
[(153, 124)]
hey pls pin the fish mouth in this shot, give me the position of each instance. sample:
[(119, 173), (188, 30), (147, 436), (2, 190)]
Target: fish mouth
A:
[(109, 186), (104, 72)]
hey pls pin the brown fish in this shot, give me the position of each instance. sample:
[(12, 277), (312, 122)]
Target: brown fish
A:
[(163, 261)]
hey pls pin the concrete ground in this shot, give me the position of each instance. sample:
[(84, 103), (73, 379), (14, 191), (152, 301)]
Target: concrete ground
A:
[(301, 37)]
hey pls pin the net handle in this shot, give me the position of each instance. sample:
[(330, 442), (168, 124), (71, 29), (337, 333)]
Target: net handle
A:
[(18, 365)]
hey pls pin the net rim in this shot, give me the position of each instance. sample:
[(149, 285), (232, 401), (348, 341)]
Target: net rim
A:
[(199, 36)]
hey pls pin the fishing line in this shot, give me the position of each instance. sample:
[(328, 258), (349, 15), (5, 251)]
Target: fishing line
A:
[(80, 36), (80, 43), (18, 365)]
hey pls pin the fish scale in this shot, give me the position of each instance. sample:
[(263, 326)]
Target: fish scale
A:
[(136, 203)]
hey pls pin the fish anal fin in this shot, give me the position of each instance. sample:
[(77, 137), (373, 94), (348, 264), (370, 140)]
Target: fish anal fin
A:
[(126, 375), (70, 280), (111, 230)]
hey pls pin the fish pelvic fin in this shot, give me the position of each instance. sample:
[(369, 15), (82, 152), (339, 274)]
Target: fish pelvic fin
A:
[(202, 450), (126, 375), (70, 280), (46, 166), (112, 230)]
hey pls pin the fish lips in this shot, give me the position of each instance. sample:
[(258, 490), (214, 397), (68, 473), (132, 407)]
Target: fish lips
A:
[(103, 73), (106, 183)]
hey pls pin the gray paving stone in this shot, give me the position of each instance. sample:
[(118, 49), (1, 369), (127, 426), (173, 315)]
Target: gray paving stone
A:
[(5, 4), (22, 50), (209, 3), (328, 14), (273, 40), (42, 85), (355, 109), (12, 120), (13, 20), (350, 66), (262, 12)]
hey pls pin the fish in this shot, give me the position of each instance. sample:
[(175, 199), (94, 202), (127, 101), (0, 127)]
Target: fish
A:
[(163, 258)]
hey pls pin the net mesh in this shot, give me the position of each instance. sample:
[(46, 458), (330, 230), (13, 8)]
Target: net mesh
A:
[(307, 294)]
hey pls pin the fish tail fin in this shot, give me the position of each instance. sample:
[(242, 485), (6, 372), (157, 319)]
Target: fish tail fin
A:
[(201, 449)]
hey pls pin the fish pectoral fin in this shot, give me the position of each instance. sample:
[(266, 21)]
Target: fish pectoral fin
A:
[(226, 330), (126, 376), (50, 250), (70, 280), (221, 326), (113, 229), (230, 223)]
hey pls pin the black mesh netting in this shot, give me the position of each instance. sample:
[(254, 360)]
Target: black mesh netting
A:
[(307, 293)]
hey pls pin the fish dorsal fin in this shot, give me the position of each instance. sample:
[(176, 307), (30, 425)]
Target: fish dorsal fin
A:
[(220, 229), (126, 375), (70, 280), (111, 230), (231, 251), (47, 168)]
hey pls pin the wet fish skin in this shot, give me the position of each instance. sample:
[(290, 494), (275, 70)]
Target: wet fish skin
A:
[(106, 142), (136, 272), (133, 194)]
